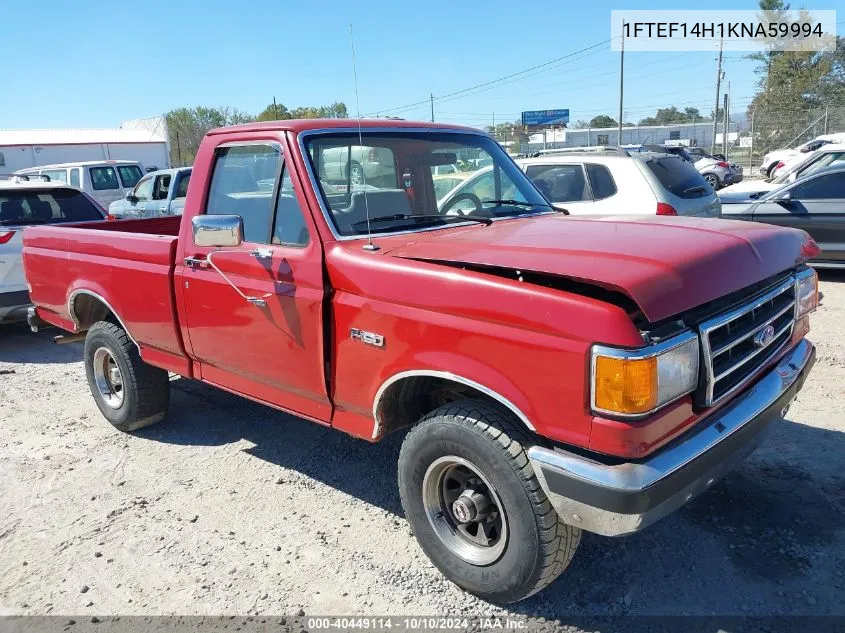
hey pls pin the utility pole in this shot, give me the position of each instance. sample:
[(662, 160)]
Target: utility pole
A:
[(178, 149), (725, 130), (275, 111), (826, 106), (432, 107), (718, 88), (751, 148), (494, 125), (621, 82)]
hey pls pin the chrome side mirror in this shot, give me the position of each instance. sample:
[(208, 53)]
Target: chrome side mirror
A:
[(218, 231)]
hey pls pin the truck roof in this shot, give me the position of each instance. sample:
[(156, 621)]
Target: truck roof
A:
[(302, 125)]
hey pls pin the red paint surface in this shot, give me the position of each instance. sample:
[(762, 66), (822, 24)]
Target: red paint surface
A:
[(529, 344)]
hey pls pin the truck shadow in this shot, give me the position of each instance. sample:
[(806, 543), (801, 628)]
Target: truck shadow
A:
[(203, 415), (831, 274), (19, 345), (771, 520)]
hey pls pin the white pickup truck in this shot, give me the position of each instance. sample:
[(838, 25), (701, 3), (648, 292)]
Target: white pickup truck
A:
[(158, 193)]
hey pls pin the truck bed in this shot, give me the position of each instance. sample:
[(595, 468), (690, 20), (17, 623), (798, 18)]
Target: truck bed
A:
[(126, 264)]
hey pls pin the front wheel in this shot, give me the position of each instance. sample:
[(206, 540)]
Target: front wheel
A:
[(129, 393), (475, 505), (712, 180)]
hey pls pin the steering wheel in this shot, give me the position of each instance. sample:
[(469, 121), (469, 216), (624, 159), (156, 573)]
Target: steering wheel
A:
[(476, 201)]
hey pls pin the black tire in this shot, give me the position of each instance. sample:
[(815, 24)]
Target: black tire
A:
[(538, 547), (144, 389)]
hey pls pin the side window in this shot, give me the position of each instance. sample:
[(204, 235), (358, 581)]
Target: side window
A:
[(129, 175), (827, 187), (74, 177), (561, 183), (56, 175), (161, 187), (182, 185), (601, 181), (144, 190), (242, 184), (289, 225), (103, 178)]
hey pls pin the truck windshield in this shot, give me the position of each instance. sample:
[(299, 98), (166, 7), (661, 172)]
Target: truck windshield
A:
[(45, 206), (416, 180)]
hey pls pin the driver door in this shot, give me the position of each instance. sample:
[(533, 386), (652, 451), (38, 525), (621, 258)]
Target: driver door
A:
[(273, 351)]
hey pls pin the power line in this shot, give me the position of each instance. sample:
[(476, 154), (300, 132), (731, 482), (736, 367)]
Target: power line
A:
[(500, 79)]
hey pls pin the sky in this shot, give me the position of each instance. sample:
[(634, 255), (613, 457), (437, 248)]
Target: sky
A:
[(98, 64)]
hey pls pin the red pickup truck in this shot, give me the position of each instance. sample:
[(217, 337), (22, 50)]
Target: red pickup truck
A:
[(557, 374)]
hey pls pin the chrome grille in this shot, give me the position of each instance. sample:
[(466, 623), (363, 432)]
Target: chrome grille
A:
[(733, 351)]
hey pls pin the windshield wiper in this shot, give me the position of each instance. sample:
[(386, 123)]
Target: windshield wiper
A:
[(697, 188), (426, 216), (22, 221), (518, 203)]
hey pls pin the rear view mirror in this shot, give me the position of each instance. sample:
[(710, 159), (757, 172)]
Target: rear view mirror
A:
[(130, 195), (435, 158), (218, 231)]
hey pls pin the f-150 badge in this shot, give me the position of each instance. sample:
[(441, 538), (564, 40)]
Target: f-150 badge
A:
[(369, 338)]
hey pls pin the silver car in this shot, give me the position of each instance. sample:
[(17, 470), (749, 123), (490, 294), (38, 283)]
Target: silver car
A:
[(356, 163)]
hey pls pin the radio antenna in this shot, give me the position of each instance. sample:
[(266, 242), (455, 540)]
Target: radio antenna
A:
[(369, 245)]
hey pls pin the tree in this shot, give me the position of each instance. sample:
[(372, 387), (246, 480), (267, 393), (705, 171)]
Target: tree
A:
[(602, 121), (187, 126), (667, 116)]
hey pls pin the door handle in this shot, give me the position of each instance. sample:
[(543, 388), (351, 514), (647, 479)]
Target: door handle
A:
[(196, 262)]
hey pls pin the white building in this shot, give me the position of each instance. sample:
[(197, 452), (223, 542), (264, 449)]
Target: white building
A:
[(144, 140), (696, 134)]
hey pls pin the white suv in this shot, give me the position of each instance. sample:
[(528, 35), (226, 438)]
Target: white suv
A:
[(609, 183), (23, 204)]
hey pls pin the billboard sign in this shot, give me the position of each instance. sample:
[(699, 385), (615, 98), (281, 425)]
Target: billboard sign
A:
[(545, 117)]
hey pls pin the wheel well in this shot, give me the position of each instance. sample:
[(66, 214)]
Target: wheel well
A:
[(407, 400), (87, 309)]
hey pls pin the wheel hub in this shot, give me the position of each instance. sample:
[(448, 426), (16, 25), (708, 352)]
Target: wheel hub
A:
[(464, 510), (108, 378), (471, 506)]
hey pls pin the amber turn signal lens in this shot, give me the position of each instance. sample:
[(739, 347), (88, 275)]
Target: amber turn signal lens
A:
[(627, 386)]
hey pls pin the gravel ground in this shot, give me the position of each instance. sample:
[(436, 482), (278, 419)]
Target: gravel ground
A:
[(230, 507)]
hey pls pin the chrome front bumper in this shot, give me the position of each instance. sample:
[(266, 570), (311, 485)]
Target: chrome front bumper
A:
[(625, 498)]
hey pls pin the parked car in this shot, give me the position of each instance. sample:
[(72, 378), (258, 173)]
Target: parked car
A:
[(602, 183), (827, 156), (105, 181), (558, 373), (814, 203), (356, 164), (158, 193), (774, 161), (24, 204), (716, 171)]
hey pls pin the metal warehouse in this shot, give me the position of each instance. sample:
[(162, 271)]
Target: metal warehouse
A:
[(143, 140)]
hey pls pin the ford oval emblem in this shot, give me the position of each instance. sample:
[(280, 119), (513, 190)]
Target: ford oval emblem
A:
[(764, 336)]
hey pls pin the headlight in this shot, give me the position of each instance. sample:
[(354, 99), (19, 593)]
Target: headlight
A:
[(806, 292), (636, 382)]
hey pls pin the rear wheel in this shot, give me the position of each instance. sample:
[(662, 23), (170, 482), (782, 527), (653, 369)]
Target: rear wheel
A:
[(129, 393), (713, 180), (475, 505), (356, 173)]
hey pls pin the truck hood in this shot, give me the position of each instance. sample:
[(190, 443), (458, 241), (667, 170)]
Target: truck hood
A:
[(666, 265)]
